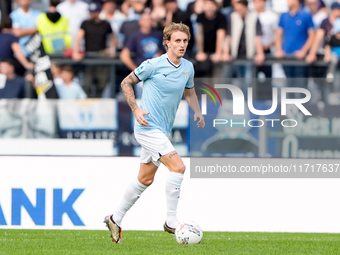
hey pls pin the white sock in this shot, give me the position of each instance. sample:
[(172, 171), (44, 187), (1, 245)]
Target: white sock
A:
[(131, 195), (172, 191)]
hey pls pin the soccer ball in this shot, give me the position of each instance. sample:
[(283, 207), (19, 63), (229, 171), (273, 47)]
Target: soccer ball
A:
[(188, 233)]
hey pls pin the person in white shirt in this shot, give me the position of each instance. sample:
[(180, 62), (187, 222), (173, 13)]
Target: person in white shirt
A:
[(279, 6), (116, 18), (76, 11), (317, 14), (269, 21)]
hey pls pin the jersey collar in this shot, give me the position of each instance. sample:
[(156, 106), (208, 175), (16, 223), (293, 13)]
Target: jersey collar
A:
[(25, 13), (167, 58)]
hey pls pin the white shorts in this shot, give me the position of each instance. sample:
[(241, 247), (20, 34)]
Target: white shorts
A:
[(154, 144)]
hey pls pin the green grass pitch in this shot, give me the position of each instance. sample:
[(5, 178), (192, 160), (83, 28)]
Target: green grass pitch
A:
[(157, 242)]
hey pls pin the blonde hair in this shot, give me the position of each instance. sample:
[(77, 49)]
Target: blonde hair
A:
[(173, 27)]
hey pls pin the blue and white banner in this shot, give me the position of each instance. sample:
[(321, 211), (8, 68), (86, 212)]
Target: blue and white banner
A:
[(88, 119)]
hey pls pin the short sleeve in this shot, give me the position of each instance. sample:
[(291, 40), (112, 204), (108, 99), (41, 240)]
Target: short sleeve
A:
[(15, 21), (122, 28), (131, 44), (228, 25), (14, 39), (281, 22), (190, 84), (36, 15), (221, 21), (310, 23), (199, 18), (275, 22), (258, 28), (145, 70), (81, 93), (108, 28), (21, 93), (83, 25), (325, 24), (160, 41), (40, 24)]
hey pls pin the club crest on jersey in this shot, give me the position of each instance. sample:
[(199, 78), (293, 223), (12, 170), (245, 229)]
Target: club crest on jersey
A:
[(185, 75), (140, 69)]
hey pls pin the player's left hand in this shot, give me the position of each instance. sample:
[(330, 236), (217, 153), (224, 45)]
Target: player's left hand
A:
[(200, 118)]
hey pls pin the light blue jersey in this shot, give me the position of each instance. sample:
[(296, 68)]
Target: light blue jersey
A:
[(20, 19), (71, 91), (163, 88)]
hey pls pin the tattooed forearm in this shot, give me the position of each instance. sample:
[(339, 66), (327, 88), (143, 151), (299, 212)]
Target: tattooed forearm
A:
[(126, 85)]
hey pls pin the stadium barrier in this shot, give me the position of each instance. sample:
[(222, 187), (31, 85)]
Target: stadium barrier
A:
[(92, 59), (104, 127), (92, 127)]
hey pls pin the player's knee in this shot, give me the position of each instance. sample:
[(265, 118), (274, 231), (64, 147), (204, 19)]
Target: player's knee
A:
[(179, 169), (146, 181)]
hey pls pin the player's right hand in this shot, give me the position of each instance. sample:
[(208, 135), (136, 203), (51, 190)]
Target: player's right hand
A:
[(139, 115)]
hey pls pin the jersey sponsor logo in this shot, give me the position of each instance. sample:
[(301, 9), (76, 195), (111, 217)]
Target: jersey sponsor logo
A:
[(140, 69)]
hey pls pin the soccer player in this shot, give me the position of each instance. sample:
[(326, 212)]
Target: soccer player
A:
[(165, 79)]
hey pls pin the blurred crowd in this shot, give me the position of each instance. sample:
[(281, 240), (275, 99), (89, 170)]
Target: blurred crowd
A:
[(131, 30)]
